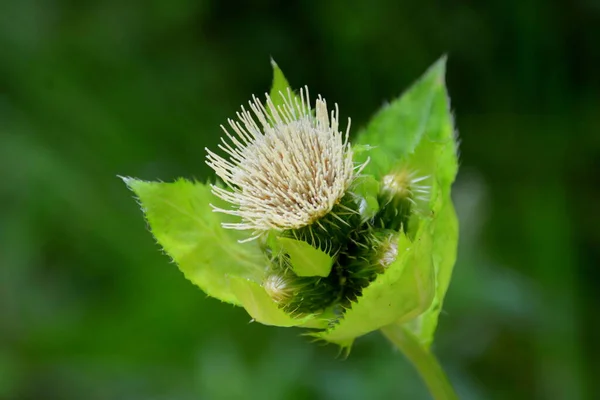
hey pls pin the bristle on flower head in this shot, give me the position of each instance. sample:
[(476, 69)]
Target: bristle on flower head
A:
[(286, 167)]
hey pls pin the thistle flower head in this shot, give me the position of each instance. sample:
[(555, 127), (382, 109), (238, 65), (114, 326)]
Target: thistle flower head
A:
[(342, 251), (286, 167)]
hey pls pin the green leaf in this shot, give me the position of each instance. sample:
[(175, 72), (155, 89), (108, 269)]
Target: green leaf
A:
[(397, 129), (401, 293), (280, 87), (417, 131), (360, 149), (305, 259), (436, 156), (184, 224), (367, 188), (260, 306), (445, 238), (280, 84)]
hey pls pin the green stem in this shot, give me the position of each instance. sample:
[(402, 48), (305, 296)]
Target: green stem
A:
[(430, 370)]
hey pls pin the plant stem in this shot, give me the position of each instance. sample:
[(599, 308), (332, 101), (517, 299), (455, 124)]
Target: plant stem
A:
[(424, 361)]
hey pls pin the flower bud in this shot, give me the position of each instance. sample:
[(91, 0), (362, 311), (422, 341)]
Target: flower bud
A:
[(399, 195), (369, 254), (298, 295)]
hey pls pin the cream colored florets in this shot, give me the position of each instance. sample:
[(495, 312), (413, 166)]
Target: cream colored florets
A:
[(388, 251), (278, 288), (286, 167)]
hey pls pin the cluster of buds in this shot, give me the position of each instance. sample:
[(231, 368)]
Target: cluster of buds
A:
[(305, 229), (290, 174)]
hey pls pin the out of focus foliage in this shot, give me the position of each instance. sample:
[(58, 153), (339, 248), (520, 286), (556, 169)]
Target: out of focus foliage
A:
[(88, 90)]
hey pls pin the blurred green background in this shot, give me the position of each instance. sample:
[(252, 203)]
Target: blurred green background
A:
[(91, 309)]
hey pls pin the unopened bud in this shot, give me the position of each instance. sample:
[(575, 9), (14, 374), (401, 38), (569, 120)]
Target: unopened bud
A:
[(399, 194), (371, 253), (299, 295)]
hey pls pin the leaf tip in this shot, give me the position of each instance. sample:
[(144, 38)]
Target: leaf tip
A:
[(439, 68), (127, 180), (132, 183), (124, 178), (274, 64)]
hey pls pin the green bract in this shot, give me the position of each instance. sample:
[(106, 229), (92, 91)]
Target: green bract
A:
[(382, 255)]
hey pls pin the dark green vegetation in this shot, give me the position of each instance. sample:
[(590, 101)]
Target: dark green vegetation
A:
[(88, 90)]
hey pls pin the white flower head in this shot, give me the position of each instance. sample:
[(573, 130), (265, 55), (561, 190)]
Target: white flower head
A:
[(286, 167)]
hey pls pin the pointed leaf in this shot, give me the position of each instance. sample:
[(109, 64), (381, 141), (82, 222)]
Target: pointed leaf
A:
[(436, 156), (280, 84), (305, 259), (280, 88), (445, 238), (184, 224), (396, 130), (367, 188), (417, 130), (260, 306)]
